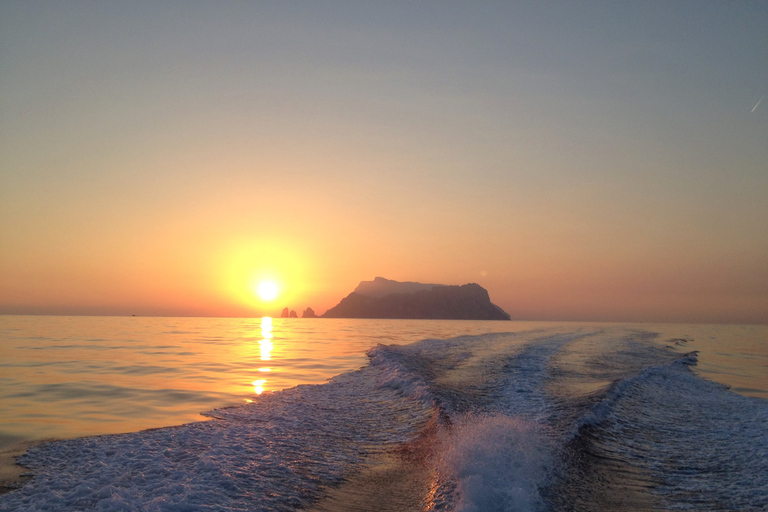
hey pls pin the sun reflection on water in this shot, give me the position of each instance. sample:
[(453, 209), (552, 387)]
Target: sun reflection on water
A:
[(258, 386), (266, 327), (266, 348)]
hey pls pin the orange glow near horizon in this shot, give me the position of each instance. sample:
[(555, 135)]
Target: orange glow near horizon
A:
[(256, 274)]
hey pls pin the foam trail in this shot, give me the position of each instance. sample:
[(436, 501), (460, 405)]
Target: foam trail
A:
[(272, 455), (497, 463), (496, 453), (492, 423), (607, 406), (691, 444)]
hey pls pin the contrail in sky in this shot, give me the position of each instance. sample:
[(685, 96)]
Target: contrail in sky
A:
[(756, 104)]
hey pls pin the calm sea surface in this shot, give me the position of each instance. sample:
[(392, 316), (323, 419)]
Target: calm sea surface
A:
[(63, 377)]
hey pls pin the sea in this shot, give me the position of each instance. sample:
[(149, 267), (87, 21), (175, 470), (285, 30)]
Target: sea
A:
[(323, 415)]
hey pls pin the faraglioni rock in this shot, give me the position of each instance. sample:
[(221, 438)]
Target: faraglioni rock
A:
[(384, 298)]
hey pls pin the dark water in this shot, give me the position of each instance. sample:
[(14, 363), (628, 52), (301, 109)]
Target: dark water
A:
[(548, 417)]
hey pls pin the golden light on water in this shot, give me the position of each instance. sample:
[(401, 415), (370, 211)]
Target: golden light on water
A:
[(265, 346), (266, 327), (258, 386)]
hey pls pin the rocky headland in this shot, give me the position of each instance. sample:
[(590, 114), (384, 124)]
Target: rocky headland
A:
[(384, 298)]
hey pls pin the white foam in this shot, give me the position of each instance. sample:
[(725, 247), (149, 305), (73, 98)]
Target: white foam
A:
[(494, 463), (393, 375), (277, 453), (706, 446), (606, 406), (274, 454)]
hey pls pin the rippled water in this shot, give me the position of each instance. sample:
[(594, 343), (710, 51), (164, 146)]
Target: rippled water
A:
[(484, 416), (65, 377)]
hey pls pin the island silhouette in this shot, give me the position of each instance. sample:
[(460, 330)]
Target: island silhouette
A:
[(385, 298)]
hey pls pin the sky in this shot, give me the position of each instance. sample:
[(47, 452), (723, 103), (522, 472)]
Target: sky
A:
[(580, 160)]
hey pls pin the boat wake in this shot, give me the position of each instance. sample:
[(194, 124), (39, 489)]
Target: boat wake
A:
[(530, 421)]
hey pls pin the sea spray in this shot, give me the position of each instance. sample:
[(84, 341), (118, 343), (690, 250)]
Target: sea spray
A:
[(493, 463)]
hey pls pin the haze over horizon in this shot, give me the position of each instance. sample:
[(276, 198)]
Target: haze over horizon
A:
[(581, 161)]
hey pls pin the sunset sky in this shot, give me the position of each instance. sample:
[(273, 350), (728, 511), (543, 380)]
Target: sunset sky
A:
[(579, 160)]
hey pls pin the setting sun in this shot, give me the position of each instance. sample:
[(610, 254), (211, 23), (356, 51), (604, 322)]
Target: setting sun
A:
[(267, 290)]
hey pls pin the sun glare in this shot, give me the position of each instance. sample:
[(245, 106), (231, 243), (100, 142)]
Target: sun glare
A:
[(267, 290)]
